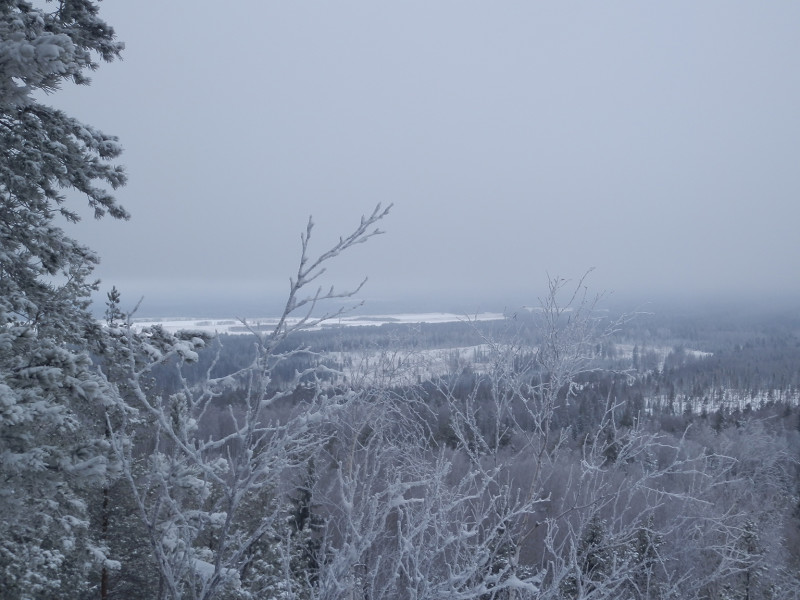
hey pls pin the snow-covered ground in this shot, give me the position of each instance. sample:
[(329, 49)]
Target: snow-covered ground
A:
[(731, 399), (625, 351), (404, 367), (235, 326)]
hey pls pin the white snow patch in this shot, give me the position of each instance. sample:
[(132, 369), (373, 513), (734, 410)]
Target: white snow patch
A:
[(235, 326)]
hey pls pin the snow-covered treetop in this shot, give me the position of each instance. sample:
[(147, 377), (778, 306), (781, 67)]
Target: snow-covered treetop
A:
[(39, 48), (46, 152)]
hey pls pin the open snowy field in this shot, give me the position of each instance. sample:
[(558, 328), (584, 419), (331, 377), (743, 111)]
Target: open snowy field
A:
[(236, 326)]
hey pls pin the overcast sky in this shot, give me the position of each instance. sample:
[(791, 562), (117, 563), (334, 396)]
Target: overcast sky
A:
[(656, 142)]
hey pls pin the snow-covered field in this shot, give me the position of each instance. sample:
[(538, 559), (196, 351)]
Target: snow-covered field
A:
[(404, 367), (235, 326), (625, 351)]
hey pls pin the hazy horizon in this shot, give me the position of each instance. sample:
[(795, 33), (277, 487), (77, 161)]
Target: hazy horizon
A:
[(228, 305)]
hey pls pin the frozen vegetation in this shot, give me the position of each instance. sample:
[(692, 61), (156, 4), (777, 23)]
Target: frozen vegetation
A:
[(560, 453)]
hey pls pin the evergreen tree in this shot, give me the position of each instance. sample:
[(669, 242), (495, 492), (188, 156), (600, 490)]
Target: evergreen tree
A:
[(51, 458), (593, 560)]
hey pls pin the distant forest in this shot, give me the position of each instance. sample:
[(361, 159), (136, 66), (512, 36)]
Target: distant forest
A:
[(668, 459), (685, 362)]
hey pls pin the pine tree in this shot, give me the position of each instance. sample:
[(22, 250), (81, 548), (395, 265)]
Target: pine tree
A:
[(50, 457), (593, 560)]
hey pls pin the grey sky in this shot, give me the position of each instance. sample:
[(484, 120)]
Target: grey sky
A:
[(657, 142)]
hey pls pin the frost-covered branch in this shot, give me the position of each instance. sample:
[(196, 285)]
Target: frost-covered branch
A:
[(210, 501)]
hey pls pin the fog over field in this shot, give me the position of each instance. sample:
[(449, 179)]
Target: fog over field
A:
[(655, 142)]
